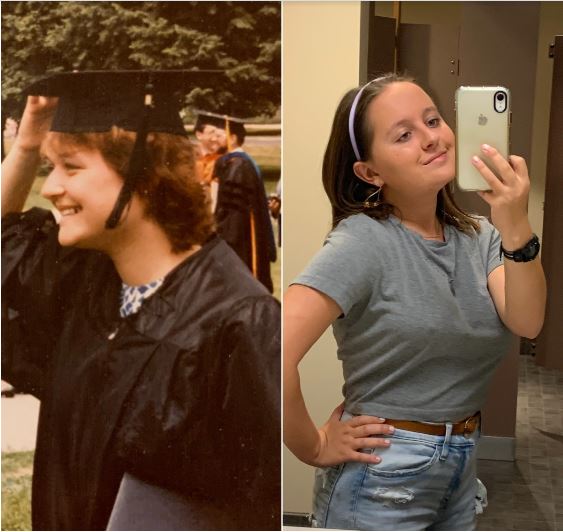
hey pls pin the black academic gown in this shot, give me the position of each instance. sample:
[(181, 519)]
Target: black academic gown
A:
[(183, 395), (242, 214)]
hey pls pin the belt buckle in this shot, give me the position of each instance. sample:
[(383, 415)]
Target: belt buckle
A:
[(466, 429)]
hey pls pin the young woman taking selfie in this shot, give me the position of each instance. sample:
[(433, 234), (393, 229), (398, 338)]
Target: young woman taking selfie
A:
[(422, 306)]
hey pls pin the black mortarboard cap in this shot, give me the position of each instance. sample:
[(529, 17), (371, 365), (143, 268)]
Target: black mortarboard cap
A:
[(141, 101), (234, 125), (94, 101)]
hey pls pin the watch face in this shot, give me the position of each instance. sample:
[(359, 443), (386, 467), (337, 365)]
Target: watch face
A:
[(532, 249), (529, 251)]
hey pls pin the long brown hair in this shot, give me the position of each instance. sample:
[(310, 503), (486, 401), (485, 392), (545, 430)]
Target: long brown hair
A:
[(346, 192), (169, 189)]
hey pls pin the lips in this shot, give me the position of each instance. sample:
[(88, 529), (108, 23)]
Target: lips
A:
[(434, 157)]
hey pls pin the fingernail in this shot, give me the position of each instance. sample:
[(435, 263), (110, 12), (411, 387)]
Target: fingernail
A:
[(486, 147), (381, 419), (387, 442), (391, 429), (475, 160), (377, 459)]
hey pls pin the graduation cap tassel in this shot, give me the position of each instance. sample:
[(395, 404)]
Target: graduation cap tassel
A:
[(137, 163), (228, 134), (253, 245)]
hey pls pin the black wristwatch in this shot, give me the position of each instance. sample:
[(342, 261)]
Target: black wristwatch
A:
[(525, 254)]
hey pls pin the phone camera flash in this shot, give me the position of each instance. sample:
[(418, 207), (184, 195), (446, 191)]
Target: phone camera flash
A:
[(500, 102)]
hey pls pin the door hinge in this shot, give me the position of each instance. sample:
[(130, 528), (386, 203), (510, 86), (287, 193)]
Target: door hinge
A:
[(551, 53)]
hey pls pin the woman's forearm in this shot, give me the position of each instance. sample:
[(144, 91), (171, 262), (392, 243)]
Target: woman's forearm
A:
[(525, 287), (519, 288), (307, 314), (299, 432), (525, 291), (19, 169)]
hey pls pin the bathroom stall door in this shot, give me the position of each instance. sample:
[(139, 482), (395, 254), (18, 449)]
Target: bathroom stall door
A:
[(550, 341)]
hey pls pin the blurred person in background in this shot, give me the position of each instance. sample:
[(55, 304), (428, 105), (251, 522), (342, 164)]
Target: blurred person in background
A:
[(242, 213), (208, 150)]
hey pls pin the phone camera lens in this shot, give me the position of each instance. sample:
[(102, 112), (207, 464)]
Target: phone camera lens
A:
[(500, 97)]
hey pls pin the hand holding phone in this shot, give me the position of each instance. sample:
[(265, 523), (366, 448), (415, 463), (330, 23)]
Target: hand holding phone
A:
[(482, 117)]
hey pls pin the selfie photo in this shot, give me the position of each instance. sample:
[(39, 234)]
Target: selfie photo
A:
[(422, 352)]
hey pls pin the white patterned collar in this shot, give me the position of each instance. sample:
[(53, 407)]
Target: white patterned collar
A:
[(132, 297)]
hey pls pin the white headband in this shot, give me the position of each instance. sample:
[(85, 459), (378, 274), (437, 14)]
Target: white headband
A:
[(352, 117)]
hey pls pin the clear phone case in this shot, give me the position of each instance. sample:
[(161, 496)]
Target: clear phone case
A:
[(482, 117)]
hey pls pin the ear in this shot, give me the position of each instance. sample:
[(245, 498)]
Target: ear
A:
[(367, 174)]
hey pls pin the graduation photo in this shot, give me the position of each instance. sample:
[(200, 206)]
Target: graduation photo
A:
[(140, 323)]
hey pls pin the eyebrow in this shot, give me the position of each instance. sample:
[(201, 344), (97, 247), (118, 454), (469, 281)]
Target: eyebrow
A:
[(61, 155), (407, 121), (65, 154)]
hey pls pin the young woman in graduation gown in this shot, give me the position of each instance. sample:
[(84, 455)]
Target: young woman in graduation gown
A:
[(182, 393)]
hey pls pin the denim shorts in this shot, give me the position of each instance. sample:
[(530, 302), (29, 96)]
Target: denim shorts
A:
[(423, 482)]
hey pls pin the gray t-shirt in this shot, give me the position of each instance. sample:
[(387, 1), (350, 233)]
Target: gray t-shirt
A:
[(419, 337)]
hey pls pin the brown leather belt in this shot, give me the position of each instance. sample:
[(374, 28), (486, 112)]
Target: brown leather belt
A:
[(465, 427)]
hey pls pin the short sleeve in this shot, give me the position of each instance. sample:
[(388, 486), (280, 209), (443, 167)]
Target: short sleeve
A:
[(345, 269), (490, 242)]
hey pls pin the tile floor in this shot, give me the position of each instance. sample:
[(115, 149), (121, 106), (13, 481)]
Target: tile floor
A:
[(528, 494)]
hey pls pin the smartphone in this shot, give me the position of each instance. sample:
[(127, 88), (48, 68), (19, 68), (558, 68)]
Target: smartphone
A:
[(482, 117)]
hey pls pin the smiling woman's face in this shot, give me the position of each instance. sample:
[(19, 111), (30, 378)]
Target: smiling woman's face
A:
[(84, 189), (412, 149)]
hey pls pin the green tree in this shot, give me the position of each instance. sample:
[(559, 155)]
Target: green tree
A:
[(241, 38)]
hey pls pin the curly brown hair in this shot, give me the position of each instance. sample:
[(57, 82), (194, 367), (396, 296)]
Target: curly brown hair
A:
[(169, 189), (346, 192)]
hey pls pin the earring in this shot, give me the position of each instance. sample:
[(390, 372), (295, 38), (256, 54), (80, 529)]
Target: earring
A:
[(372, 204)]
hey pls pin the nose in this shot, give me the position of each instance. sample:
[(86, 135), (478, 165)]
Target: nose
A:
[(53, 186), (430, 138)]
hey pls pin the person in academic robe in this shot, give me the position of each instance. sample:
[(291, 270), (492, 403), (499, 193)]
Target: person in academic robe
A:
[(242, 213), (153, 350), (207, 152)]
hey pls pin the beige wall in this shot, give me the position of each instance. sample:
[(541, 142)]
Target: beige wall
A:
[(551, 23), (320, 62)]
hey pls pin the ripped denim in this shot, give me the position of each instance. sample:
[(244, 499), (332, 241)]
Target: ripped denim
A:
[(423, 482)]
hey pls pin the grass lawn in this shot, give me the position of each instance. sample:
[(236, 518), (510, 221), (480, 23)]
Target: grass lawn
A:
[(267, 154), (16, 490)]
